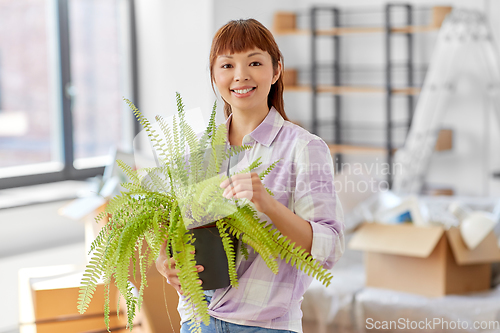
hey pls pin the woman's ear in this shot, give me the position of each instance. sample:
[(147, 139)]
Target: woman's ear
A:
[(277, 73)]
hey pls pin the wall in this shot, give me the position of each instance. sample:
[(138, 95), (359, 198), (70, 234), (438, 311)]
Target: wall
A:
[(467, 167), (174, 40), (36, 227)]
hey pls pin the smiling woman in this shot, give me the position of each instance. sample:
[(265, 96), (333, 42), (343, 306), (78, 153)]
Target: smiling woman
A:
[(241, 37), (246, 67), (244, 79)]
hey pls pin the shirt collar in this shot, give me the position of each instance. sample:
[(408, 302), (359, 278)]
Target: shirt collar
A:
[(267, 130)]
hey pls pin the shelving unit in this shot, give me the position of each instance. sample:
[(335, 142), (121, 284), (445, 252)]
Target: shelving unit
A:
[(285, 24), (341, 90)]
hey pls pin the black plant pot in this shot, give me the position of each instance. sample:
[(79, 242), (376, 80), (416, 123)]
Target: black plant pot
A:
[(211, 255)]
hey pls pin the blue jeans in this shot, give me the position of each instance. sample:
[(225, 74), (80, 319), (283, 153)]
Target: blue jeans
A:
[(219, 326)]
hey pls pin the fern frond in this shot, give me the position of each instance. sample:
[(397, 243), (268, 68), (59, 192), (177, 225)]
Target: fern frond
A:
[(154, 137), (142, 272), (218, 145), (210, 131), (182, 120), (264, 173), (106, 304), (188, 275), (234, 150), (254, 165), (89, 281), (167, 152), (244, 251), (302, 260), (131, 302), (179, 171), (230, 252), (244, 224), (131, 174), (159, 183)]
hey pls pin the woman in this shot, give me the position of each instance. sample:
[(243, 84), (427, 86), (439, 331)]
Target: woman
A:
[(246, 67)]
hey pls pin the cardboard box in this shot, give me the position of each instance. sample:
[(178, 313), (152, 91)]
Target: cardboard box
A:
[(429, 261), (439, 13), (48, 303), (444, 140), (290, 77), (160, 304), (284, 21)]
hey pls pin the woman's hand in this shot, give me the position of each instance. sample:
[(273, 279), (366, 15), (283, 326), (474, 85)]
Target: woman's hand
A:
[(171, 274), (249, 186), (288, 223)]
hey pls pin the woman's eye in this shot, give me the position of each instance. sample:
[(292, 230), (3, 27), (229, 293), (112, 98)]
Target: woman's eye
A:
[(227, 66), (255, 63)]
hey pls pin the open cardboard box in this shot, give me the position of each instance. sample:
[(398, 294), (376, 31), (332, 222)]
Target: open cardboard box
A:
[(429, 261), (48, 303)]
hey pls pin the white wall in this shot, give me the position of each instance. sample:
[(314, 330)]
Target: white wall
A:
[(467, 167), (174, 41)]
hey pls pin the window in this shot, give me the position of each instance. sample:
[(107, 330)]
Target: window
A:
[(64, 67), (27, 68)]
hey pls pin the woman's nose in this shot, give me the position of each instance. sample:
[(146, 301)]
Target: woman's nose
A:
[(241, 74)]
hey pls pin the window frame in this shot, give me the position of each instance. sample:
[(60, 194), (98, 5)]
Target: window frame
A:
[(69, 172)]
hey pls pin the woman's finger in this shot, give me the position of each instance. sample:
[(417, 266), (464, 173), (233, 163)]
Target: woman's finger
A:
[(236, 178), (241, 187)]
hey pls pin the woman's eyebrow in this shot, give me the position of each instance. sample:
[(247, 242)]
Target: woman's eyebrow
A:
[(254, 53)]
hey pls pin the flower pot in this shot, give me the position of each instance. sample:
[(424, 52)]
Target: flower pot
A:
[(211, 255)]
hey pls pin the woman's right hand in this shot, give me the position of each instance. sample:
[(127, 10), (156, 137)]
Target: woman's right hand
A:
[(170, 273)]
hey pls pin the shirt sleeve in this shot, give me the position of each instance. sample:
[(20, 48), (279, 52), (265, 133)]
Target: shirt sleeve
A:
[(316, 201)]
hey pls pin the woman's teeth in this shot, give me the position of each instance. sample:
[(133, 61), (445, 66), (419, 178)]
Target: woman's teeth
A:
[(242, 91)]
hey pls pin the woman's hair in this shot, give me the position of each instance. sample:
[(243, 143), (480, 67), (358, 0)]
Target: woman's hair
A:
[(242, 35)]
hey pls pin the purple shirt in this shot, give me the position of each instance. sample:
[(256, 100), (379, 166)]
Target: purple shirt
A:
[(302, 181)]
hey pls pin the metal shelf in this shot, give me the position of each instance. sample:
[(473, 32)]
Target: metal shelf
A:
[(356, 149), (358, 30), (285, 23), (340, 90)]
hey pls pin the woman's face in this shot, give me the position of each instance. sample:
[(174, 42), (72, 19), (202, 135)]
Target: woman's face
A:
[(244, 79)]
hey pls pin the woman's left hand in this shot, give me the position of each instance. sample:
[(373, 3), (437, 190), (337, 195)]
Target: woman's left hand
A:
[(249, 186)]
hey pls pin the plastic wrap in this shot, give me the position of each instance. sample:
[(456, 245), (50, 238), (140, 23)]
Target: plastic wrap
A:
[(407, 311), (330, 309)]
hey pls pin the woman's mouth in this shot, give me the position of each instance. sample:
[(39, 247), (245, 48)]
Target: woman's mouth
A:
[(243, 92)]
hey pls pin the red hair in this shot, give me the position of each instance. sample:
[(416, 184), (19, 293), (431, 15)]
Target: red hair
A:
[(243, 35)]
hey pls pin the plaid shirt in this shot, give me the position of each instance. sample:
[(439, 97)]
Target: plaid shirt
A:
[(302, 181)]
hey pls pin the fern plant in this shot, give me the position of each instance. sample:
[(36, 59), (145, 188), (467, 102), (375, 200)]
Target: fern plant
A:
[(162, 203)]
